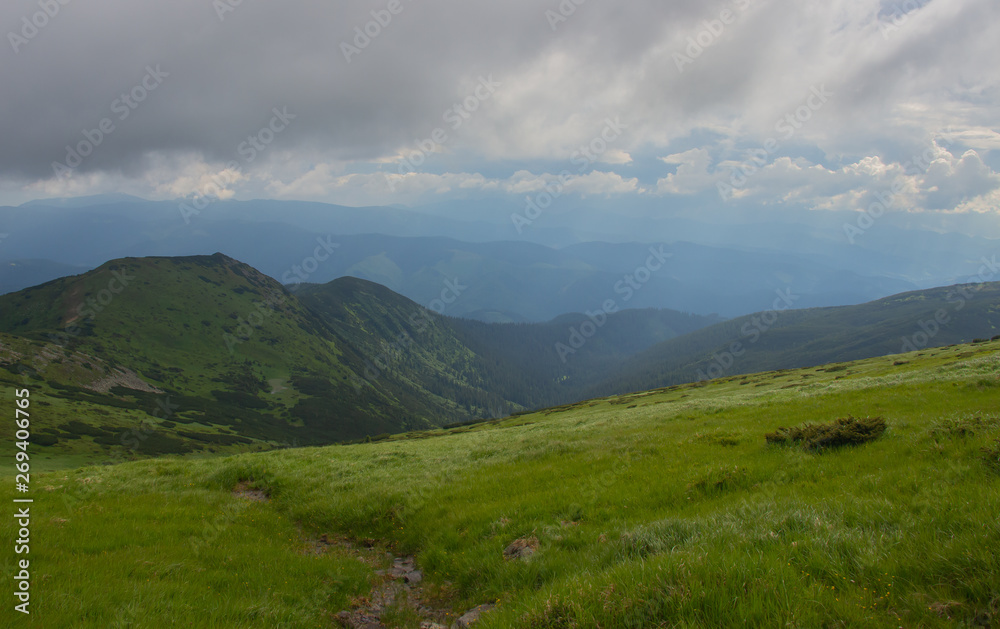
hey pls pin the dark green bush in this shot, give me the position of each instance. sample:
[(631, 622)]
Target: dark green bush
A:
[(44, 440), (225, 440), (841, 432), (239, 399), (77, 427)]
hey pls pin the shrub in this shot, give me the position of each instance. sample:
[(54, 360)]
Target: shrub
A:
[(841, 432), (44, 440), (77, 427)]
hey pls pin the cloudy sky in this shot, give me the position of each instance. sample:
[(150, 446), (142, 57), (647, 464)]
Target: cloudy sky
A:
[(820, 105)]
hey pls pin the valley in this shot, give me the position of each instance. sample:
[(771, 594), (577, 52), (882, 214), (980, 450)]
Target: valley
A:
[(206, 355)]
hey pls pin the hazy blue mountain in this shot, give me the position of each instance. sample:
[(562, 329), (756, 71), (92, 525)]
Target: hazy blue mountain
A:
[(716, 267), (18, 274)]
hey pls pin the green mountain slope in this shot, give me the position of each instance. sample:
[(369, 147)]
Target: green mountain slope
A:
[(784, 339), (147, 356), (665, 508), (406, 350), (485, 370), (207, 351), (205, 354)]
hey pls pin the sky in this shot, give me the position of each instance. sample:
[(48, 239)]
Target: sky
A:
[(836, 105)]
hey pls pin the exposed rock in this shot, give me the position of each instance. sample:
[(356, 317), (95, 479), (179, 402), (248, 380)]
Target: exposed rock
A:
[(399, 586), (120, 377), (473, 615), (521, 548), (414, 577), (243, 490)]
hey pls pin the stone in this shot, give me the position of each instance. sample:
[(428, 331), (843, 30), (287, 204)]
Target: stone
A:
[(414, 577), (521, 548), (471, 616)]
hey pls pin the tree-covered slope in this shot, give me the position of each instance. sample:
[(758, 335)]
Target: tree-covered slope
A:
[(781, 338)]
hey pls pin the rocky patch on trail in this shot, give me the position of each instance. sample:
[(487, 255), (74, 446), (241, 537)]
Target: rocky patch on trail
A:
[(400, 589), (243, 490), (472, 616)]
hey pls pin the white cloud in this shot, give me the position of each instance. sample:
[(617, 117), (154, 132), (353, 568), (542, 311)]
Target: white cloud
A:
[(692, 172)]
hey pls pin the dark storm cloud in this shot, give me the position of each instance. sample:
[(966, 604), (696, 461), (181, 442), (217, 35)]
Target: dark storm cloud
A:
[(226, 67), (335, 91)]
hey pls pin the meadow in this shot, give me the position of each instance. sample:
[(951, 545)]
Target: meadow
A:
[(665, 508)]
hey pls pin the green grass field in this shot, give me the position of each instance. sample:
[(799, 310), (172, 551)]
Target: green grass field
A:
[(658, 509)]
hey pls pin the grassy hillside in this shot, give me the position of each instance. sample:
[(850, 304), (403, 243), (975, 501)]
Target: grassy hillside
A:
[(407, 349), (204, 313), (206, 355), (665, 508), (195, 354), (784, 338)]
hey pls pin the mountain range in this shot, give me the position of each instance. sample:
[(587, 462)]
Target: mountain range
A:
[(532, 276), (207, 352)]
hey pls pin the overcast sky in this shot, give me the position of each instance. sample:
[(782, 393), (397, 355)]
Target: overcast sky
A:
[(818, 104)]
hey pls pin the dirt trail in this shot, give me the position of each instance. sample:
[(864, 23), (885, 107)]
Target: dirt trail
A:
[(399, 598)]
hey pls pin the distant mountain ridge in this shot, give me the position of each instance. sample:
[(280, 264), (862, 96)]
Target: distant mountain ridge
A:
[(247, 362), (786, 339), (415, 254)]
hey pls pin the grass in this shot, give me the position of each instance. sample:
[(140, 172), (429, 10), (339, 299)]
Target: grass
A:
[(663, 508)]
